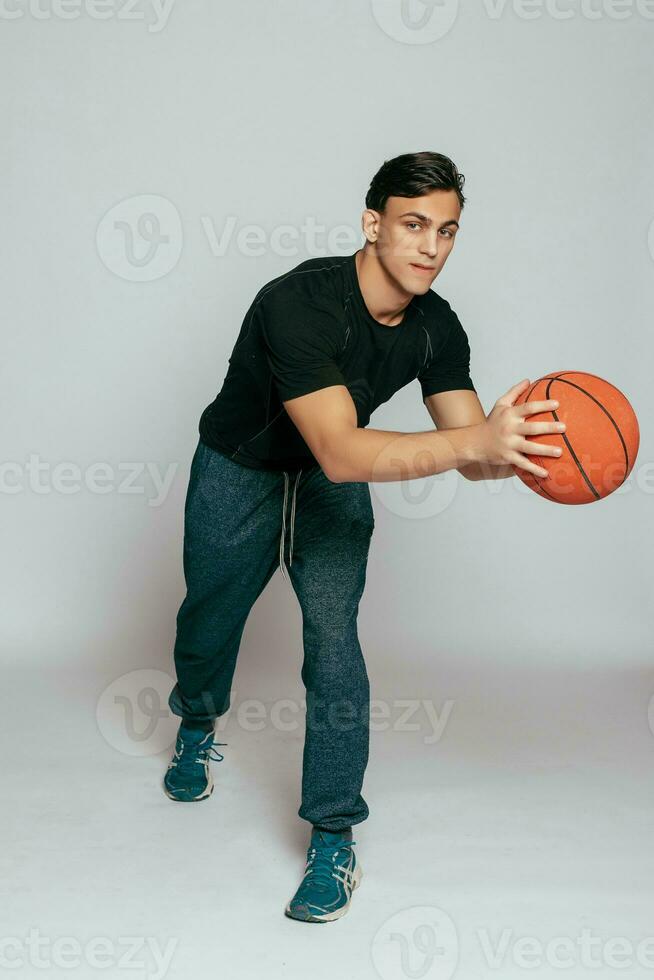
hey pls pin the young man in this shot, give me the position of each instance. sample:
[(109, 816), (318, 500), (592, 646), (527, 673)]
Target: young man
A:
[(280, 477)]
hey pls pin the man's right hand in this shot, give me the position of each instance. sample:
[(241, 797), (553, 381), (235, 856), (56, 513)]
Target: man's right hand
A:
[(503, 433)]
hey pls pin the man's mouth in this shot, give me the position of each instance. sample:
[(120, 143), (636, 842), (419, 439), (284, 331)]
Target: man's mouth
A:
[(422, 268)]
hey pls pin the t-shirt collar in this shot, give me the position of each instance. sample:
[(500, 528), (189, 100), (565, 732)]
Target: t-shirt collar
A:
[(382, 328)]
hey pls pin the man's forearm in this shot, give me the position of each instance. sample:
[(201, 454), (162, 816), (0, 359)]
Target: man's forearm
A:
[(377, 456)]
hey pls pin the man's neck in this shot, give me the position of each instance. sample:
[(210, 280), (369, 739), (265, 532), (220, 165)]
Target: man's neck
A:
[(384, 301)]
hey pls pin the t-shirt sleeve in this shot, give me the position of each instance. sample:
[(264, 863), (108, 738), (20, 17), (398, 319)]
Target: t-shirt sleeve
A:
[(449, 368), (301, 344)]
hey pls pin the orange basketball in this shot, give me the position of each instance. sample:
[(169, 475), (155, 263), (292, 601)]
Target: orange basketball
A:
[(599, 444)]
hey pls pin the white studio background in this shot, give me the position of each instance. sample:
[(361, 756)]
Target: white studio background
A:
[(160, 163), (273, 115)]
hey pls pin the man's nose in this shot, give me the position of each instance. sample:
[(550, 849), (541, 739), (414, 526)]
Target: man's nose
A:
[(430, 245)]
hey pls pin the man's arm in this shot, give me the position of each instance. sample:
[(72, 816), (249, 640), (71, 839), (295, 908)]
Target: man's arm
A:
[(327, 421), (452, 409)]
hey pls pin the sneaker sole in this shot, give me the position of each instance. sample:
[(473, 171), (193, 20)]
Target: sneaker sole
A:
[(331, 916), (191, 799)]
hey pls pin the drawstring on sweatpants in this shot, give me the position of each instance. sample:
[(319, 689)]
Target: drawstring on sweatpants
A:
[(283, 534)]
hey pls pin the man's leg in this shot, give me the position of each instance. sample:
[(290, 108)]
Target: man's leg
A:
[(232, 524), (333, 527)]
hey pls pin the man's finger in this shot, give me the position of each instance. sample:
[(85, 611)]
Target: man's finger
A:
[(510, 396), (530, 408)]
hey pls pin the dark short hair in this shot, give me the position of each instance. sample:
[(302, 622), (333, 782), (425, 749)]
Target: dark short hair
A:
[(412, 175)]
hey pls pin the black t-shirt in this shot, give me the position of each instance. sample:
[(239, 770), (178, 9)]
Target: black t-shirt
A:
[(310, 328)]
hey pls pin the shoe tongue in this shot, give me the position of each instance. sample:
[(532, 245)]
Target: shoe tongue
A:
[(193, 734), (332, 837)]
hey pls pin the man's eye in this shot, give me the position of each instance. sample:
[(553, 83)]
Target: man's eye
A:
[(415, 224), (447, 232)]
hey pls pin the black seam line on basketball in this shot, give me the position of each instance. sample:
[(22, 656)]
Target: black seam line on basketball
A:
[(560, 377), (611, 419), (567, 441), (528, 396), (605, 410), (569, 444), (542, 488)]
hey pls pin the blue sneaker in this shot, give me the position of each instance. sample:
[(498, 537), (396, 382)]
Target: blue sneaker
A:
[(332, 873), (188, 777)]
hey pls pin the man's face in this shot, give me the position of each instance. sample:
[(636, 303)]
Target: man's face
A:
[(414, 233)]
